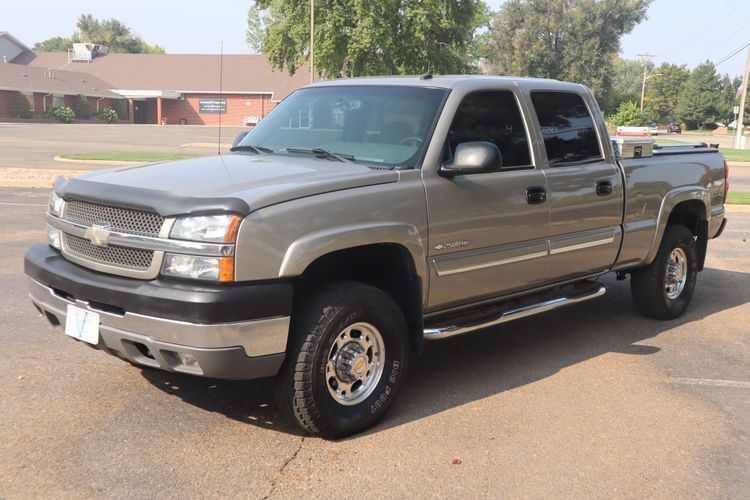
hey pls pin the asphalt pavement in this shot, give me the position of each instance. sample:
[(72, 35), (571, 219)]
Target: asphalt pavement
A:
[(589, 401)]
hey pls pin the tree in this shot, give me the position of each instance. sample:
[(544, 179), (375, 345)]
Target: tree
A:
[(54, 44), (574, 40), (20, 107), (729, 98), (700, 100), (627, 76), (109, 32), (363, 37), (81, 107), (257, 20), (663, 91), (628, 114)]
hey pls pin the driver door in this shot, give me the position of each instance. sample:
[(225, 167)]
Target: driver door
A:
[(487, 236)]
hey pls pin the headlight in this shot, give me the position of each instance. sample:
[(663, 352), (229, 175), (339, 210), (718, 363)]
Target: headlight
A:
[(55, 204), (199, 268), (212, 228)]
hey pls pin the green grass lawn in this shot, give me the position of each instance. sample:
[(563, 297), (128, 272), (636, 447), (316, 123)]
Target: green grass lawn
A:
[(735, 154), (736, 198), (134, 156)]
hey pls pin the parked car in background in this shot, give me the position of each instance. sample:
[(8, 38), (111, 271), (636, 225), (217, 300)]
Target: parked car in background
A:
[(674, 128), (652, 128)]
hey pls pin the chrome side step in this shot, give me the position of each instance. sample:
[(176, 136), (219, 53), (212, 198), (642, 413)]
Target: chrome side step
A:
[(470, 325)]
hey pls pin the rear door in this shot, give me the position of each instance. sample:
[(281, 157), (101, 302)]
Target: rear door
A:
[(585, 189), (486, 238)]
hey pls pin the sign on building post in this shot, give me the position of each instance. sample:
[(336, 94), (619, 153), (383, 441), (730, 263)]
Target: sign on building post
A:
[(212, 105)]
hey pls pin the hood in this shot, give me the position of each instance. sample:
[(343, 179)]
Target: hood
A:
[(241, 183)]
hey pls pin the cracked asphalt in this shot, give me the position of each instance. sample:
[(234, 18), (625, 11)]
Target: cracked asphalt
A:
[(589, 401)]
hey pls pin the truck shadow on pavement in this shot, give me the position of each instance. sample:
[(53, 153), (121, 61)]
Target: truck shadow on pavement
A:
[(468, 368)]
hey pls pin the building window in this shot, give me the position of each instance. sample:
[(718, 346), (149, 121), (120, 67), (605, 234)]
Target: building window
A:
[(58, 101)]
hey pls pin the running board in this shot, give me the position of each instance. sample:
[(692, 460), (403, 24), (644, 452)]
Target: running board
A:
[(470, 325)]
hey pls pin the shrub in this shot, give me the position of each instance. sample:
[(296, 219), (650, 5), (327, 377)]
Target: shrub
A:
[(63, 114), (627, 115), (120, 108), (108, 115), (20, 107), (81, 107)]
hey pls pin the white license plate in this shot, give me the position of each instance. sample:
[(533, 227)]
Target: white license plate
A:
[(82, 325)]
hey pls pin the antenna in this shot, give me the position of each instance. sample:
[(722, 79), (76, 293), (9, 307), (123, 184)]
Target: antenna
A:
[(221, 90)]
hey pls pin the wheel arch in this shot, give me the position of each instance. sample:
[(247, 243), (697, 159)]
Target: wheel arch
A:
[(687, 206)]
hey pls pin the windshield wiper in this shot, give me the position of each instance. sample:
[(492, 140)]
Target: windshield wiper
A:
[(324, 153), (250, 147)]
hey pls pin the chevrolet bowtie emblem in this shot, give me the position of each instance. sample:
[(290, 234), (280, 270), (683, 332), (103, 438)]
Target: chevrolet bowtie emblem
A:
[(98, 234)]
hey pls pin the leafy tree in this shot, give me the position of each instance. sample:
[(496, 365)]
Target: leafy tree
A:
[(54, 44), (627, 76), (574, 40), (257, 20), (729, 98), (20, 107), (81, 107), (699, 102), (628, 114), (663, 91), (109, 32), (364, 37)]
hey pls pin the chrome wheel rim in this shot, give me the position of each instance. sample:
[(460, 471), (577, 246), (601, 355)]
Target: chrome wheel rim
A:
[(355, 363), (676, 275)]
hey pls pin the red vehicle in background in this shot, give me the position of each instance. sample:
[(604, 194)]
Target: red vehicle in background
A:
[(674, 128)]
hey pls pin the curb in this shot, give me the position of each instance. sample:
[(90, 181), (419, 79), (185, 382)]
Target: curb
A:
[(99, 162)]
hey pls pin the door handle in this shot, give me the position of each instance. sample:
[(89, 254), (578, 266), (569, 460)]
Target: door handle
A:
[(604, 188), (535, 195)]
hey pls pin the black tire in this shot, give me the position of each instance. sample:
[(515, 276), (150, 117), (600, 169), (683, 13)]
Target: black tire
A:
[(649, 284), (302, 387)]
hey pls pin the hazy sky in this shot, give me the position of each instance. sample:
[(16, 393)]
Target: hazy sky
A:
[(678, 31)]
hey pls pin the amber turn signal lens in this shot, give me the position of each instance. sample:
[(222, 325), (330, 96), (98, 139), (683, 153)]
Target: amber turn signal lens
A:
[(226, 269)]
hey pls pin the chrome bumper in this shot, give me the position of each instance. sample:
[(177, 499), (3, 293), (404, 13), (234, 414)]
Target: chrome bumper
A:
[(238, 350)]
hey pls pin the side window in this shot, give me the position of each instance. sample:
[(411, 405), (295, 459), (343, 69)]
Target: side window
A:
[(567, 128), (492, 116)]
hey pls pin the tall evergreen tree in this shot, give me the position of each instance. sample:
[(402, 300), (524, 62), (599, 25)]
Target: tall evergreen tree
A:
[(699, 103)]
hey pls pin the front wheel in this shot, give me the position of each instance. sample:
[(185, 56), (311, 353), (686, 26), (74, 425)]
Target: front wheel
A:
[(346, 358), (663, 289)]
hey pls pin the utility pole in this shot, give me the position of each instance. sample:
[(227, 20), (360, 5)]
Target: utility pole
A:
[(740, 125), (312, 41), (646, 60)]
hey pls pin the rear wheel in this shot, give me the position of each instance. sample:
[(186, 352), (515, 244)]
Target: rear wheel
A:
[(663, 289), (346, 358)]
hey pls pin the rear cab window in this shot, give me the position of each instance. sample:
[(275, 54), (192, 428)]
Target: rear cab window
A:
[(567, 128), (492, 116)]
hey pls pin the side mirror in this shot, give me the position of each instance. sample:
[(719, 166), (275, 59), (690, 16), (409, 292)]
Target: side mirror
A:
[(473, 158), (239, 137)]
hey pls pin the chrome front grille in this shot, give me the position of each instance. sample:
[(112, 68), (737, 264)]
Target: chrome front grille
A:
[(114, 259), (122, 257), (118, 219)]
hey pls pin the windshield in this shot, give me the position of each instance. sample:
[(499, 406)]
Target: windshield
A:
[(368, 124)]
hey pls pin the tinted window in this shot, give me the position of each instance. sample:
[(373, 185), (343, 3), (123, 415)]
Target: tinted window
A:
[(374, 124), (494, 117), (567, 127)]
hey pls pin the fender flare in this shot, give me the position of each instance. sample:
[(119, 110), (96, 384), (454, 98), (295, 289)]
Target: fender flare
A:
[(671, 200), (305, 250)]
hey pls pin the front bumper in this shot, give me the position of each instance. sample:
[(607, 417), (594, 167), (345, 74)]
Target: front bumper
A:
[(235, 349)]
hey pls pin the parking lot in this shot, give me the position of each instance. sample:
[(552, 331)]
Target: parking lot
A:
[(592, 400)]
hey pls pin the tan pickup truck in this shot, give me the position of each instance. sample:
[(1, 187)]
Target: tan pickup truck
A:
[(363, 217)]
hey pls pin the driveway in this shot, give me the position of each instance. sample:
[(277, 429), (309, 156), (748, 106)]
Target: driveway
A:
[(589, 401)]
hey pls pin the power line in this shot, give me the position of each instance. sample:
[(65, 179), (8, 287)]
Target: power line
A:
[(724, 13), (733, 53)]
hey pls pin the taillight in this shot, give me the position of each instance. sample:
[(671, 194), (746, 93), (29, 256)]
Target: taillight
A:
[(726, 179)]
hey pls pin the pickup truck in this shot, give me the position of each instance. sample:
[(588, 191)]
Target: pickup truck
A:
[(364, 217)]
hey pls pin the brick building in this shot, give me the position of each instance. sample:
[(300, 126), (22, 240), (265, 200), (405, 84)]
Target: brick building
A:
[(176, 88), (44, 87)]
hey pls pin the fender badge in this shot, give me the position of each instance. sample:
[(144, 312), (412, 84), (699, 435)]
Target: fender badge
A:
[(98, 234), (452, 244)]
